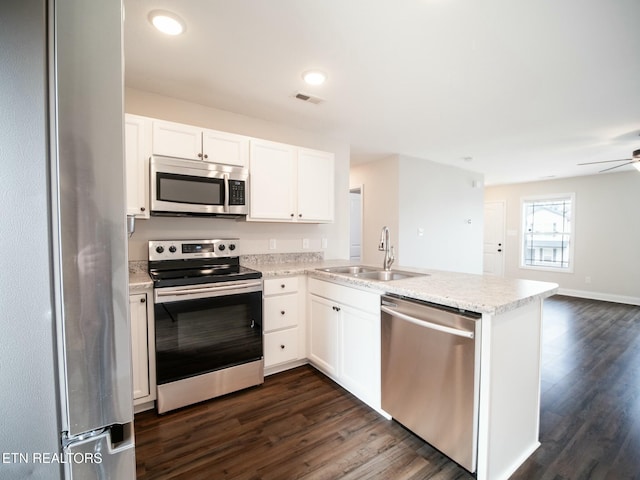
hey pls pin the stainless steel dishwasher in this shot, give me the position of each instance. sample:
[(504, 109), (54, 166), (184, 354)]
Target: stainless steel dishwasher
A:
[(429, 375)]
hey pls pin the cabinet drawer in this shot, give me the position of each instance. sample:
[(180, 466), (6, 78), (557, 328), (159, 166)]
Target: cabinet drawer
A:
[(280, 311), (281, 346), (360, 299), (274, 286)]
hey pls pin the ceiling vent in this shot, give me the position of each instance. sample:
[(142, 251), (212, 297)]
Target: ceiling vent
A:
[(308, 98)]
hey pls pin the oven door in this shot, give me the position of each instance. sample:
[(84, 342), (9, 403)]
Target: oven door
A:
[(201, 329)]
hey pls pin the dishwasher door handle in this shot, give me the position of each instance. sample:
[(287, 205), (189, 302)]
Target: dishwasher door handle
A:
[(424, 323)]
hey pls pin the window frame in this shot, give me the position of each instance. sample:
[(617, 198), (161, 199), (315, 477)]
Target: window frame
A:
[(572, 233)]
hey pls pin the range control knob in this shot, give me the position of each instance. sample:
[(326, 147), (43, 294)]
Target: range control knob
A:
[(221, 247), (232, 246), (172, 249), (159, 249)]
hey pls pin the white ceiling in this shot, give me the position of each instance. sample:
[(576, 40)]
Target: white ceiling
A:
[(528, 89)]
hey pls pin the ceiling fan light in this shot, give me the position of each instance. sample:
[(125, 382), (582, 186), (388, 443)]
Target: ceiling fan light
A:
[(167, 22)]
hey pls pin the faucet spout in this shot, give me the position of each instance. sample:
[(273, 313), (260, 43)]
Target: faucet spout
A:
[(385, 246)]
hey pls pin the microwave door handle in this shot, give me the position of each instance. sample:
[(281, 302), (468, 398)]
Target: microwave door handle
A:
[(226, 193)]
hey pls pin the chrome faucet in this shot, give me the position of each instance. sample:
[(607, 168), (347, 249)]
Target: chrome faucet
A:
[(386, 248)]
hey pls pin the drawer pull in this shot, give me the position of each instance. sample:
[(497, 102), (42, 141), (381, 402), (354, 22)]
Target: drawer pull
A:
[(282, 286), (281, 312), (282, 347)]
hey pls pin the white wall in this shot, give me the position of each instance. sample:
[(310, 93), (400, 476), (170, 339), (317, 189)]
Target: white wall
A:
[(407, 193), (443, 201), (607, 234), (255, 235)]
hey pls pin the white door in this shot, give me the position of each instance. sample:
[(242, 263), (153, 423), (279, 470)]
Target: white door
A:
[(139, 345), (272, 183), (355, 232), (225, 148), (323, 334), (315, 186), (494, 220), (177, 140), (136, 154), (359, 355)]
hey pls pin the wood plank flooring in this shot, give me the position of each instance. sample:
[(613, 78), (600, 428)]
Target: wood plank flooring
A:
[(301, 425)]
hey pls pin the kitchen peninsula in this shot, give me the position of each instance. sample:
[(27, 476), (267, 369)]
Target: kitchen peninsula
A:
[(507, 352)]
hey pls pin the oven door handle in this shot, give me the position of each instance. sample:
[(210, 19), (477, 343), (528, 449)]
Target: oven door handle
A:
[(168, 295)]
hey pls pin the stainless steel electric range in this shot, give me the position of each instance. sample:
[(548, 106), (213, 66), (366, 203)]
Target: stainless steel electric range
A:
[(208, 321)]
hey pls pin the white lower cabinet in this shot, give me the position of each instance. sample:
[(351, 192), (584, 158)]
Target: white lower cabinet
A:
[(344, 337), (359, 362), (142, 350), (281, 346), (323, 334), (284, 325)]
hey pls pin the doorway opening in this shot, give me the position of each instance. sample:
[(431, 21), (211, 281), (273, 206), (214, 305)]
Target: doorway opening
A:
[(355, 227)]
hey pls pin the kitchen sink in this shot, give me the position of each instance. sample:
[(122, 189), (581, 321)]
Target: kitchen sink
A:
[(386, 275), (350, 270), (371, 273)]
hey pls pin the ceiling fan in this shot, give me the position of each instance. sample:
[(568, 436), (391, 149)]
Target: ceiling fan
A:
[(635, 160)]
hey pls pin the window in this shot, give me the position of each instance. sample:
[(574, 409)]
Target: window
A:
[(547, 224)]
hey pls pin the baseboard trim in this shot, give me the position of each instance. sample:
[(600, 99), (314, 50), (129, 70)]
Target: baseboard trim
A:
[(605, 297)]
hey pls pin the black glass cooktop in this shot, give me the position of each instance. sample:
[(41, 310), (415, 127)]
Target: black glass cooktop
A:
[(172, 273)]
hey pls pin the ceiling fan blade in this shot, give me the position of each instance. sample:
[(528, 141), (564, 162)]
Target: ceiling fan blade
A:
[(617, 166), (606, 161)]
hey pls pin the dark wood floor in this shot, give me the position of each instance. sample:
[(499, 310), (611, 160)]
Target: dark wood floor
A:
[(301, 425)]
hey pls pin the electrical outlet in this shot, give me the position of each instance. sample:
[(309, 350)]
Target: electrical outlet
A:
[(272, 244), (421, 232), (324, 243), (587, 279), (305, 243)]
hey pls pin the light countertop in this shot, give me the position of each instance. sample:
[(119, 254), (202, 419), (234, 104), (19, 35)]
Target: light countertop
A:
[(477, 293), (139, 280)]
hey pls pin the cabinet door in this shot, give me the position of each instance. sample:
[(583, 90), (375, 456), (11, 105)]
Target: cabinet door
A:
[(177, 140), (315, 186), (359, 368), (139, 345), (272, 181), (137, 136), (225, 148), (323, 334)]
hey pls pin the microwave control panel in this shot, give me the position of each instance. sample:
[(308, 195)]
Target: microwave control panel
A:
[(236, 192)]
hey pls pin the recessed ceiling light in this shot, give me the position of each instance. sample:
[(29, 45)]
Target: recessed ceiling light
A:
[(314, 77), (167, 22)]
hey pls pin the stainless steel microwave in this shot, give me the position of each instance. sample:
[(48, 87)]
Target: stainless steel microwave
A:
[(181, 187)]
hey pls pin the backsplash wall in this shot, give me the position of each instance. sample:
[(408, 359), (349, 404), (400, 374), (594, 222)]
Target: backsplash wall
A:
[(256, 237)]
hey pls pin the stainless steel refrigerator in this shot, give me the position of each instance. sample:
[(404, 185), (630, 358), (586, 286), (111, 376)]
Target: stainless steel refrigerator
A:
[(65, 355)]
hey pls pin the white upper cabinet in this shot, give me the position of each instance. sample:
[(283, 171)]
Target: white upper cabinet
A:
[(137, 149), (290, 184), (315, 185), (272, 168), (195, 143), (177, 140), (227, 148)]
